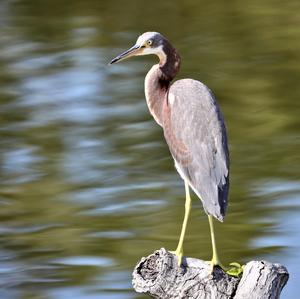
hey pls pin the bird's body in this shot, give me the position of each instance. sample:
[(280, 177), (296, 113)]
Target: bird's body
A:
[(193, 127), (194, 130), (200, 130)]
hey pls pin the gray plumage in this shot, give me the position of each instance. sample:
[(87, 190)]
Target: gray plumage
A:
[(198, 143)]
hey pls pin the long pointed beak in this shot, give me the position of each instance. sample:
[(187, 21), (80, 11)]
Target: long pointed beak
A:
[(130, 52)]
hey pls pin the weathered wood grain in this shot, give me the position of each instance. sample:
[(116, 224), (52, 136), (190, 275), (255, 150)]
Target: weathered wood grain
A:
[(159, 276)]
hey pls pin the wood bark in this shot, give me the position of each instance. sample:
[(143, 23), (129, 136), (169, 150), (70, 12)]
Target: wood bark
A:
[(159, 276)]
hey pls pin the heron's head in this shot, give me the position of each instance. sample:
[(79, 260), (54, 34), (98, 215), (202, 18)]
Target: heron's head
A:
[(147, 43)]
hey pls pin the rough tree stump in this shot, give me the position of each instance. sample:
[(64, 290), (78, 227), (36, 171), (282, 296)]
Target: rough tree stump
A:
[(159, 276)]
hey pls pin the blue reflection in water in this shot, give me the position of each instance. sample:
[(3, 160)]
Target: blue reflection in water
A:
[(87, 183), (286, 233)]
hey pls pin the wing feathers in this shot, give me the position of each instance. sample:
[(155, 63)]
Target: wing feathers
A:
[(195, 132)]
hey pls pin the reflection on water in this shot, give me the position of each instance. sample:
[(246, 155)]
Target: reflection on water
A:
[(87, 182)]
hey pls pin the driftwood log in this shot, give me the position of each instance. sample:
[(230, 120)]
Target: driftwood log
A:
[(159, 276)]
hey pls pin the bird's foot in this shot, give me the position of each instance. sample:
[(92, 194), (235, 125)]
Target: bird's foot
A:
[(179, 253), (213, 263), (234, 269)]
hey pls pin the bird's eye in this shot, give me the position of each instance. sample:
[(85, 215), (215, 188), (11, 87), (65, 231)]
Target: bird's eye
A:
[(149, 42)]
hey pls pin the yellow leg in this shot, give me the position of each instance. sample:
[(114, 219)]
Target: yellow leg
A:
[(215, 261), (234, 269), (188, 204)]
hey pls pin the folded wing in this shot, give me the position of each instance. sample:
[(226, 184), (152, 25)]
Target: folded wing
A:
[(195, 132)]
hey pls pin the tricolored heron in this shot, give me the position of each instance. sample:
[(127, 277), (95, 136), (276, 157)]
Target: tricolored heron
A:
[(193, 127)]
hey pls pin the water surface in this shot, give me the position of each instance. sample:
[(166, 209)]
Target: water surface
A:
[(87, 184)]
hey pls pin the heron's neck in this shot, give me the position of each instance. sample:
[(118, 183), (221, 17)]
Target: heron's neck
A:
[(158, 80)]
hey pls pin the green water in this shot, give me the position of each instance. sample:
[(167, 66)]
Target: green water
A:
[(87, 185)]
